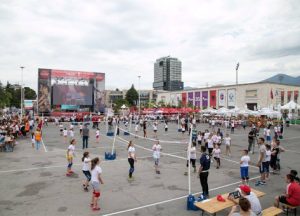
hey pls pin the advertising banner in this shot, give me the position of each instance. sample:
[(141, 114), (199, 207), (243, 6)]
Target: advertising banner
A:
[(183, 99), (191, 98), (198, 99), (296, 96), (205, 99), (44, 83), (231, 97), (222, 98), (212, 98), (282, 98), (289, 96)]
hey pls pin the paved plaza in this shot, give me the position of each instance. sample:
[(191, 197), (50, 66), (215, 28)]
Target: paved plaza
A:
[(34, 182)]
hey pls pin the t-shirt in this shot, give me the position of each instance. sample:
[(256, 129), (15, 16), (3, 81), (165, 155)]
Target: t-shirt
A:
[(217, 153), (136, 127), (245, 161), (193, 153), (210, 143), (294, 194), (268, 132), (95, 173), (71, 149), (262, 149), (131, 152), (85, 164), (71, 133), (238, 214), (268, 155), (97, 132), (254, 201), (154, 127), (156, 150), (85, 131), (206, 135), (205, 162), (227, 140), (65, 133)]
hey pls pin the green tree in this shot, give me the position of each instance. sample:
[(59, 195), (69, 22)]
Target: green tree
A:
[(29, 93), (118, 103), (5, 97), (132, 96)]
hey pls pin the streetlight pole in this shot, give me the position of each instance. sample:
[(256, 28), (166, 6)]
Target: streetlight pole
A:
[(139, 96), (237, 82), (22, 96)]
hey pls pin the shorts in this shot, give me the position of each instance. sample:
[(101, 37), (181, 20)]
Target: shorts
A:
[(282, 199), (156, 161), (96, 186), (267, 166), (264, 167), (61, 130), (244, 173), (87, 174), (269, 138), (97, 136)]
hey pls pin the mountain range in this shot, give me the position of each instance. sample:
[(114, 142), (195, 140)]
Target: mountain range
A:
[(284, 79)]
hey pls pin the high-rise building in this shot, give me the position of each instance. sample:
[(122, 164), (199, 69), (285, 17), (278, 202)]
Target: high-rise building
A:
[(167, 74)]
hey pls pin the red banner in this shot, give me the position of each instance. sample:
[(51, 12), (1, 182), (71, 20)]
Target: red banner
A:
[(296, 96), (289, 95), (183, 98), (212, 98), (76, 74)]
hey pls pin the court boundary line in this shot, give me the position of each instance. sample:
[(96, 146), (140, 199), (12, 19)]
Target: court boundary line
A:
[(44, 146), (173, 199)]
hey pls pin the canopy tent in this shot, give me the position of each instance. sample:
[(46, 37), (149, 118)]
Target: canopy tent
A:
[(222, 111), (209, 110), (290, 106)]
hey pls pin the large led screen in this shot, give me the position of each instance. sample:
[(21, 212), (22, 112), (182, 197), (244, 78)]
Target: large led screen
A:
[(72, 95)]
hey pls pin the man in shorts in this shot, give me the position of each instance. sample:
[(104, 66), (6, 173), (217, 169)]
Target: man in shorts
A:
[(262, 163)]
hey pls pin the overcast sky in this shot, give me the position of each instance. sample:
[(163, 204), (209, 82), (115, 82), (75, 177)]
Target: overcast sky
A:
[(123, 38)]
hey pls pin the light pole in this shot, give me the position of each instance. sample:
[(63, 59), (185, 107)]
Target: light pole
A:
[(22, 96), (237, 82), (139, 96)]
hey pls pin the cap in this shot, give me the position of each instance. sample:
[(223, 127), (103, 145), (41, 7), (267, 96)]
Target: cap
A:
[(245, 188)]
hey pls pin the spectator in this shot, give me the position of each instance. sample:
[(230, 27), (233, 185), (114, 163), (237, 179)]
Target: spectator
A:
[(85, 137), (292, 196), (251, 197), (244, 207)]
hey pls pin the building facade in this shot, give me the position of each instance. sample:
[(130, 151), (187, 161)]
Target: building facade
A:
[(147, 96), (167, 74), (251, 95)]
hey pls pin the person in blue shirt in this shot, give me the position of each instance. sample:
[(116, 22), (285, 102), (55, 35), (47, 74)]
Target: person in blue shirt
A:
[(204, 170)]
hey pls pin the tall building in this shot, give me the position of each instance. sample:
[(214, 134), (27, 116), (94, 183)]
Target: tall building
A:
[(167, 74)]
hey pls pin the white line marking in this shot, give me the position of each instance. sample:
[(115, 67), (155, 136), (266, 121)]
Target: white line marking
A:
[(174, 199), (60, 166), (147, 149), (44, 146)]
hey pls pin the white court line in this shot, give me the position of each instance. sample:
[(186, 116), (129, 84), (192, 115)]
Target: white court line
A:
[(60, 166), (147, 149), (44, 146), (174, 199), (236, 162)]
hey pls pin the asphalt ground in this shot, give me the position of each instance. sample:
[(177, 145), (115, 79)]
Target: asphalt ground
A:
[(34, 182)]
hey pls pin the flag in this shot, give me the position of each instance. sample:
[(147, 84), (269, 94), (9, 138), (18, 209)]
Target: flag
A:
[(271, 94)]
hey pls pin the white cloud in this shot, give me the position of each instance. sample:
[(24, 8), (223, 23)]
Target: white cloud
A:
[(123, 38)]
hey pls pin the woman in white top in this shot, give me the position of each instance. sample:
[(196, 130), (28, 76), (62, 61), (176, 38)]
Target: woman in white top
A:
[(216, 155), (131, 159), (97, 135), (227, 141), (86, 169), (136, 130), (70, 155), (71, 133), (156, 155), (193, 156), (96, 180), (65, 133)]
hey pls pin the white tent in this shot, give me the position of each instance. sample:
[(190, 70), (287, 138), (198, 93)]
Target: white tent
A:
[(222, 110), (290, 106), (209, 110)]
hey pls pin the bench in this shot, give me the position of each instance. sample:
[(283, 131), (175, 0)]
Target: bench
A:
[(289, 207), (271, 211)]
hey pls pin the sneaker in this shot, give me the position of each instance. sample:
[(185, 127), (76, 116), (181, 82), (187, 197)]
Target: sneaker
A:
[(96, 209), (157, 172), (185, 173), (262, 183), (257, 183), (130, 178)]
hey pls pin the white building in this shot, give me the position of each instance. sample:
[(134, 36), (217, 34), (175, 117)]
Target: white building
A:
[(253, 95)]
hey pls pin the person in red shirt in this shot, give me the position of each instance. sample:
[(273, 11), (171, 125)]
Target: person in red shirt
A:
[(292, 196)]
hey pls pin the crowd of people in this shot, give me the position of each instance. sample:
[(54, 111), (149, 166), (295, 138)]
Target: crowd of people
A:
[(210, 142)]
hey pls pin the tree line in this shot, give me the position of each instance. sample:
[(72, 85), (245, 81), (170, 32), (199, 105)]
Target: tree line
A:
[(10, 95)]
